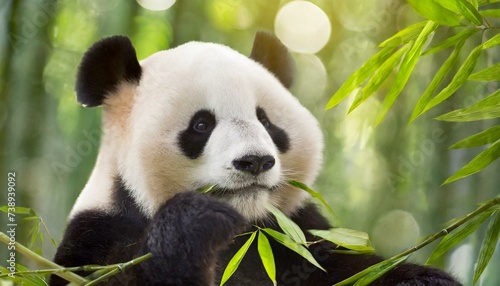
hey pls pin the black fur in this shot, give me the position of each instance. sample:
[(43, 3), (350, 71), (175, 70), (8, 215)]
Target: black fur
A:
[(191, 238), (104, 66), (272, 54), (192, 141), (279, 136)]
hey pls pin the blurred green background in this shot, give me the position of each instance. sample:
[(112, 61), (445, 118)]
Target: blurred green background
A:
[(384, 180)]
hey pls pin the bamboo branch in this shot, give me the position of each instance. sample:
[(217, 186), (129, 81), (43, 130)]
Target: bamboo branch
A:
[(70, 276)]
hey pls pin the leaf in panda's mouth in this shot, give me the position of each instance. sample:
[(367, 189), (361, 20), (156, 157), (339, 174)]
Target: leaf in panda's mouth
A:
[(207, 189), (216, 190)]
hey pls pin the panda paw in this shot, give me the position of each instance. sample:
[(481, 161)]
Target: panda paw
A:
[(198, 221), (185, 237)]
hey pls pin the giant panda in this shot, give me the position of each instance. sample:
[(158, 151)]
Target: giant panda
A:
[(192, 116)]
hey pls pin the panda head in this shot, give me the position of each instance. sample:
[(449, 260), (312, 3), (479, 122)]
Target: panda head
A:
[(201, 114)]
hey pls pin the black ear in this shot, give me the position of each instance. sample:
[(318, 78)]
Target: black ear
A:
[(104, 66), (272, 54)]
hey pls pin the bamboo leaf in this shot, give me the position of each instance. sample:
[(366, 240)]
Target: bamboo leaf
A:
[(490, 101), (458, 80), (487, 136), (207, 189), (379, 77), (452, 41), (437, 80), (483, 2), (288, 226), (292, 245), (488, 74), (404, 36), (479, 162), (451, 5), (266, 255), (488, 246), (348, 238), (314, 194), (490, 13), (18, 210), (471, 114), (469, 12), (236, 260), (431, 10), (359, 76), (458, 235), (372, 273), (494, 41), (406, 68)]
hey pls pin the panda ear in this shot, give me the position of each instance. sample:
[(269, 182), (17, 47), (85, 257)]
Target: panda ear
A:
[(272, 54), (104, 66)]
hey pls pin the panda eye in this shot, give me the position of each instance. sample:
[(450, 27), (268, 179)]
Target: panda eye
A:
[(203, 122), (265, 122), (261, 115), (200, 125)]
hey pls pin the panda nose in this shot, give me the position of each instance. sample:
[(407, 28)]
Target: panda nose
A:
[(254, 164)]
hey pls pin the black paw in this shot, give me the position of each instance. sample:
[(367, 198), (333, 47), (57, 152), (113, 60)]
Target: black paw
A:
[(185, 237), (195, 220)]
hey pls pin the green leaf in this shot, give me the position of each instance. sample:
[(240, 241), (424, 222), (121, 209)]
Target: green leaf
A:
[(469, 12), (236, 260), (487, 136), (490, 13), (484, 2), (359, 76), (437, 80), (458, 235), (451, 5), (288, 226), (471, 114), (489, 244), (315, 195), (431, 10), (406, 68), (489, 102), (479, 162), (404, 36), (458, 80), (372, 273), (452, 41), (207, 189), (488, 74), (494, 41), (18, 210), (292, 245), (348, 238), (266, 255), (379, 77)]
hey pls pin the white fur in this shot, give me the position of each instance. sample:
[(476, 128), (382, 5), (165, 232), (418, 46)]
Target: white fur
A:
[(142, 125)]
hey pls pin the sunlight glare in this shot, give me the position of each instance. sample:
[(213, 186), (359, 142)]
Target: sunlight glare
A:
[(303, 27)]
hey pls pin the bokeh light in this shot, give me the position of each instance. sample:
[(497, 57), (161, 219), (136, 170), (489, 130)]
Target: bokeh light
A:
[(156, 5), (310, 76), (230, 14), (398, 225), (303, 27)]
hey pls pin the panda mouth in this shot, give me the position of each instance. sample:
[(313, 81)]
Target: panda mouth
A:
[(250, 189)]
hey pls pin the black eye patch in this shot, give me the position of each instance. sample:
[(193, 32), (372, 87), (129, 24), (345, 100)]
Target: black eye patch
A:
[(192, 140), (278, 135)]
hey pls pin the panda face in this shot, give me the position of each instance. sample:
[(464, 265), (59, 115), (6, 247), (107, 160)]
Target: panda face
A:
[(203, 114)]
